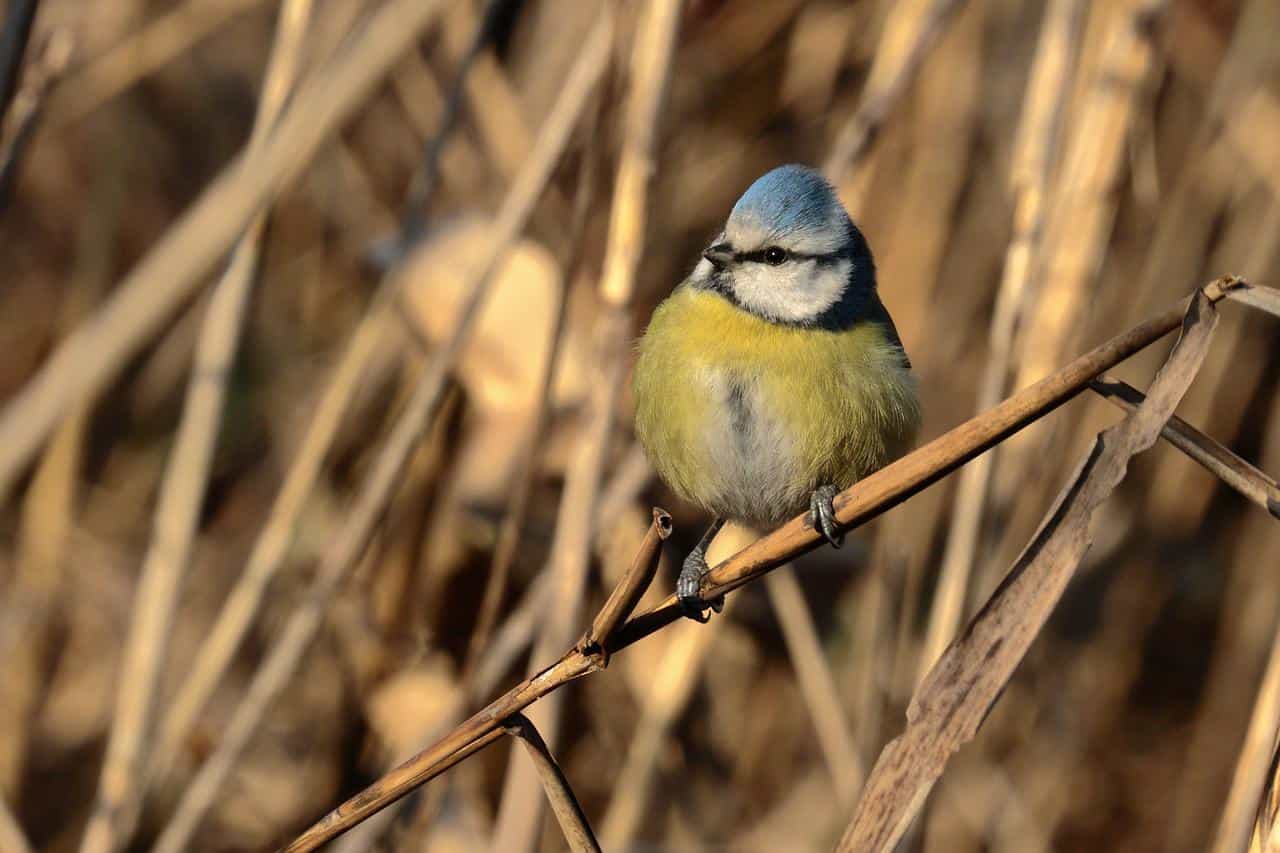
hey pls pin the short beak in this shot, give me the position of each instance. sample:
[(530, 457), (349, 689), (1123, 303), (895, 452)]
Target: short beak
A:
[(720, 255)]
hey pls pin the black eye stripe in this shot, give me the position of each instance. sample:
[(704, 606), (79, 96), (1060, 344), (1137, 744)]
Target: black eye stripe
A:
[(758, 256)]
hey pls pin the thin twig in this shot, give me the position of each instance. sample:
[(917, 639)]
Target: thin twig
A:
[(961, 689), (858, 504), (122, 784), (352, 538), (630, 589), (1235, 472), (573, 822), (90, 357)]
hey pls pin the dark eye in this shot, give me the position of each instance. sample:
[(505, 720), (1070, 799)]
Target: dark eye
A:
[(774, 256)]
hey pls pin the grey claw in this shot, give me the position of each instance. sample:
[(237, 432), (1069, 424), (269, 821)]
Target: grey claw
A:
[(687, 588), (822, 515)]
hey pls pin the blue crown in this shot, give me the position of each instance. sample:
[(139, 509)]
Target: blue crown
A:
[(786, 199)]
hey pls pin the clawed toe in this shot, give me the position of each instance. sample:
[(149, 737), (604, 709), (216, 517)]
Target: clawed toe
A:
[(687, 586), (822, 515)]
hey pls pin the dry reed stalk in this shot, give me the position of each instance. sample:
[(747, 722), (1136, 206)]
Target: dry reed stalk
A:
[(520, 812), (1250, 240), (1240, 642), (863, 501), (1203, 222), (941, 114), (1263, 299), (352, 538), (1248, 783), (512, 637), (666, 695), (1193, 46), (1250, 482), (1034, 149), (1248, 799), (669, 689), (31, 598), (1188, 219), (1080, 219), (273, 542), (86, 360), (1257, 543), (1247, 619), (496, 106), (506, 547), (909, 32), (423, 101), (49, 508), (945, 108), (880, 642), (122, 784), (573, 822), (954, 699), (817, 684), (140, 54), (25, 631), (627, 594)]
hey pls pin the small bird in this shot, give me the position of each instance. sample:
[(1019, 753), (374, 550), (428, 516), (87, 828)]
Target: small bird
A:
[(773, 378)]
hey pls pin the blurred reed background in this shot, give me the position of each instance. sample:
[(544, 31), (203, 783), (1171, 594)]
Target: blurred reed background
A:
[(1033, 178)]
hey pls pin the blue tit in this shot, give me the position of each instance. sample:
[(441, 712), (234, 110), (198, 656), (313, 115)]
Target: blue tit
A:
[(773, 377)]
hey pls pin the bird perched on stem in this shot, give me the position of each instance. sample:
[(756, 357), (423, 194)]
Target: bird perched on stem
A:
[(773, 377)]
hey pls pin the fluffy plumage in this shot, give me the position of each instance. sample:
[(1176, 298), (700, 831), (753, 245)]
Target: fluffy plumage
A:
[(774, 368)]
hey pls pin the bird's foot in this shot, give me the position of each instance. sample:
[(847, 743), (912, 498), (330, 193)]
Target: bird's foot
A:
[(689, 583), (822, 515)]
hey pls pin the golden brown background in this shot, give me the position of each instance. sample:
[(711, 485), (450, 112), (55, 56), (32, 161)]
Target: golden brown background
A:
[(1120, 730)]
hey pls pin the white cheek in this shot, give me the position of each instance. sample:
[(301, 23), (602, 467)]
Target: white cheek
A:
[(793, 292)]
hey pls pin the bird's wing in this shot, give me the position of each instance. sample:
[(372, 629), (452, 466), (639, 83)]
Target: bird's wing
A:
[(877, 313)]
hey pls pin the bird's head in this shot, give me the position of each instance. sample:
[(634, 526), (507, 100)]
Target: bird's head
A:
[(789, 253)]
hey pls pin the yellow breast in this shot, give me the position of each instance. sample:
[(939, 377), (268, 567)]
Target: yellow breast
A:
[(746, 417)]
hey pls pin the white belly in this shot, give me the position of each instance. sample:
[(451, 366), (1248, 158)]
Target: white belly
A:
[(756, 472)]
